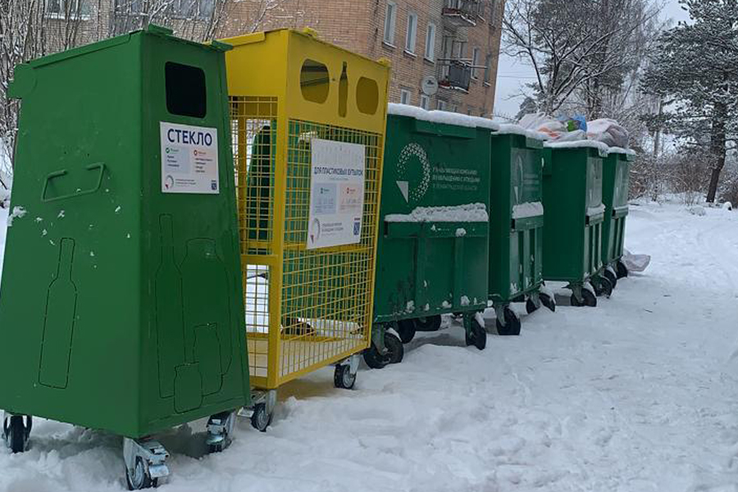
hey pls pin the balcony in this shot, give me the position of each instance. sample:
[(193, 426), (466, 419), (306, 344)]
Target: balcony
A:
[(461, 13), (457, 75)]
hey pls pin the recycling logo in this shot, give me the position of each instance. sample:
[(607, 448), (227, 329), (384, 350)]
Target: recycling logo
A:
[(406, 172)]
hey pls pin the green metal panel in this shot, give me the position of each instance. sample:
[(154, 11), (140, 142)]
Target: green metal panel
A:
[(615, 184), (429, 268), (516, 245), (121, 306), (572, 202)]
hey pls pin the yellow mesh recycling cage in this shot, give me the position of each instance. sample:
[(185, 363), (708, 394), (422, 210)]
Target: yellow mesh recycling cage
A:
[(308, 123)]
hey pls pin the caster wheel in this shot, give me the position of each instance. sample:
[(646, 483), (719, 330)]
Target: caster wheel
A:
[(394, 348), (406, 330), (342, 377), (374, 359), (430, 323), (621, 269), (511, 326), (575, 302), (547, 301), (394, 355), (478, 335), (611, 277), (260, 419), (140, 478), (590, 300), (602, 287), (530, 306), (216, 448), (16, 430)]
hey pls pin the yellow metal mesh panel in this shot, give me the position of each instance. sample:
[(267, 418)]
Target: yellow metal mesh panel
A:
[(325, 311), (326, 293), (253, 125)]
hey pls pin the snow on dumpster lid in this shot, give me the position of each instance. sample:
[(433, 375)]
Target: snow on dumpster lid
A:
[(471, 212), (578, 144), (620, 150), (444, 117), (507, 129)]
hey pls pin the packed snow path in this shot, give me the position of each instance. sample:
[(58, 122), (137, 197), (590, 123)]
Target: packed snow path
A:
[(638, 394)]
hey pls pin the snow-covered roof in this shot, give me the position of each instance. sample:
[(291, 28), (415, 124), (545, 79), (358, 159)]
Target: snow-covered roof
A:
[(445, 117)]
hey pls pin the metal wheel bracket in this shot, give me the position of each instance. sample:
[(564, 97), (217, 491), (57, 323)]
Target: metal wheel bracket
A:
[(378, 331), (500, 313), (536, 299), (353, 362), (220, 428), (268, 398), (152, 454)]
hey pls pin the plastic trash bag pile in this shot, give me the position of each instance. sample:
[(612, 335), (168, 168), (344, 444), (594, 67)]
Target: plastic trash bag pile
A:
[(571, 129)]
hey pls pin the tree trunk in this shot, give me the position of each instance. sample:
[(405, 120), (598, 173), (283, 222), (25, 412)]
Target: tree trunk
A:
[(717, 149)]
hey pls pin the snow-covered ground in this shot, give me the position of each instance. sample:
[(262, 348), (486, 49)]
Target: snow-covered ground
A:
[(638, 394)]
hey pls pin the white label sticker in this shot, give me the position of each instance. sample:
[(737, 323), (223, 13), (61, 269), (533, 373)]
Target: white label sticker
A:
[(336, 193), (189, 159)]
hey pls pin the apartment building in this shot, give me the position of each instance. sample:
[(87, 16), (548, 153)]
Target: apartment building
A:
[(444, 53)]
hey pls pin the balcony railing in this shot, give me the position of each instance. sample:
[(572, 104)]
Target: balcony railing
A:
[(461, 12), (457, 75)]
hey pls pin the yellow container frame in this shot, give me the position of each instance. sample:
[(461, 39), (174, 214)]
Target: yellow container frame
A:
[(305, 308)]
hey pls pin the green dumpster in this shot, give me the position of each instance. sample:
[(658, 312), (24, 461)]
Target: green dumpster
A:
[(615, 174), (122, 306), (516, 225), (432, 251), (573, 218)]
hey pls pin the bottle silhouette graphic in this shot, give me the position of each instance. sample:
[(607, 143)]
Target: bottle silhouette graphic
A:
[(59, 321)]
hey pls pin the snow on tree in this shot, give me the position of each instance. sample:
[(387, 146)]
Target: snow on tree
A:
[(695, 70)]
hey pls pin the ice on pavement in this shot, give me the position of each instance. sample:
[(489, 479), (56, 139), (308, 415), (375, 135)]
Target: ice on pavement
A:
[(636, 395)]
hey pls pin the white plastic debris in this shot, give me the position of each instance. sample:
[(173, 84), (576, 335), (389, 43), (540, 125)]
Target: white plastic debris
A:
[(635, 263), (460, 232)]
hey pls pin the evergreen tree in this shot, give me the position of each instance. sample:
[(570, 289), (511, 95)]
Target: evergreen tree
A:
[(695, 69)]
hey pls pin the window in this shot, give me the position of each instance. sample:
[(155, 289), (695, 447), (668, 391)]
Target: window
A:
[(424, 101), (412, 32), (441, 105), (66, 9), (192, 9), (430, 42), (185, 90), (404, 96), (389, 23), (487, 68), (475, 62)]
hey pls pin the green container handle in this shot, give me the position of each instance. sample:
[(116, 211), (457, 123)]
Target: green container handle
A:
[(63, 172)]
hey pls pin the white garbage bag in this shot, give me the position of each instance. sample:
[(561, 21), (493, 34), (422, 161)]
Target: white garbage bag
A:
[(635, 263)]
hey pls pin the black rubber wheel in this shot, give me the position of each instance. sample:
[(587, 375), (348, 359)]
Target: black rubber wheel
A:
[(478, 336), (374, 359), (590, 300), (16, 433), (406, 330), (575, 302), (430, 323), (511, 326), (530, 306), (140, 479), (260, 419), (394, 348), (216, 448), (547, 301), (602, 287), (621, 269), (611, 277), (342, 377)]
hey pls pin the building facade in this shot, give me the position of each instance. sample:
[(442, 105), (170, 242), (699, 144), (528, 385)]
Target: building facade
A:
[(444, 53)]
